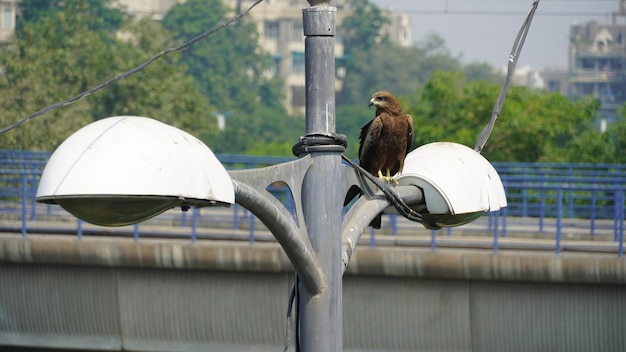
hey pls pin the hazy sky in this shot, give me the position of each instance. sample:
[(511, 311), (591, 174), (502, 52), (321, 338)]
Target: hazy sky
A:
[(484, 30)]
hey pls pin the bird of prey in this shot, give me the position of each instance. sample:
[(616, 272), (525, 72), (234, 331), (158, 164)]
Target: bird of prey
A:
[(385, 141)]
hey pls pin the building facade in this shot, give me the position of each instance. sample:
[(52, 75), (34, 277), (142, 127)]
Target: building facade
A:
[(597, 63), (596, 67), (154, 9), (279, 24)]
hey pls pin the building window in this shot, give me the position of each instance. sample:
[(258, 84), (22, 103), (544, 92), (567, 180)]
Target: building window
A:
[(271, 29), (297, 33), (298, 99), (6, 22), (554, 86), (586, 89), (606, 93), (272, 70), (615, 64), (587, 64), (297, 63)]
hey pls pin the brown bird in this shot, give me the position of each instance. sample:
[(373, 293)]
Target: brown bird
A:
[(385, 141)]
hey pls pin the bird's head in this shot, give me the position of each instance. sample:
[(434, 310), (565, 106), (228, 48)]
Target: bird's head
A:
[(385, 101)]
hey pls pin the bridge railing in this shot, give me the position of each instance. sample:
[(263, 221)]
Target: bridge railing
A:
[(549, 203)]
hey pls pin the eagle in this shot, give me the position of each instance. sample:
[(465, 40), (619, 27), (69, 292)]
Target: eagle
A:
[(385, 140)]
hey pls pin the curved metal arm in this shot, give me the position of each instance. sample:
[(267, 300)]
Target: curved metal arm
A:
[(278, 220), (362, 213)]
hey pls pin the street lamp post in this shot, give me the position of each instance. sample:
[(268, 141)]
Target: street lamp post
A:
[(321, 314), (126, 169)]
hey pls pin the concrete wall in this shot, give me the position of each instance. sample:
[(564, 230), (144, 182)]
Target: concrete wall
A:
[(109, 294)]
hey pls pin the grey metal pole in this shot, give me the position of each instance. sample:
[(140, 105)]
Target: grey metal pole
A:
[(321, 314)]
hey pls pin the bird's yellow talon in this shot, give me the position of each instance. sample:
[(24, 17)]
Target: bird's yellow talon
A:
[(390, 179)]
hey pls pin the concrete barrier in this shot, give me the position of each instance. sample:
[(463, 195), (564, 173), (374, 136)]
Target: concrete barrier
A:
[(108, 293)]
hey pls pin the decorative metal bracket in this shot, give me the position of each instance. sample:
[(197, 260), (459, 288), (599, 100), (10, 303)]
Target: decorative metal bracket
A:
[(291, 232)]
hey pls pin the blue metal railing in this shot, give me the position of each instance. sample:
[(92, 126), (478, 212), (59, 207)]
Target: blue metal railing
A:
[(549, 199)]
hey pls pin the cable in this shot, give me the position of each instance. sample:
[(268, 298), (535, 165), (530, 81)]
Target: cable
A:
[(292, 297), (131, 71), (293, 300), (502, 13), (501, 1), (517, 48), (297, 303), (393, 198)]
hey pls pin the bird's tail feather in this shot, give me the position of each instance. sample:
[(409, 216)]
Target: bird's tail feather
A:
[(376, 222)]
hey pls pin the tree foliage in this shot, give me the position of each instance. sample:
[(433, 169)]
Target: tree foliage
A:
[(162, 90), (363, 29), (229, 69), (53, 59), (534, 125), (349, 119), (65, 47), (105, 16), (62, 54), (373, 62)]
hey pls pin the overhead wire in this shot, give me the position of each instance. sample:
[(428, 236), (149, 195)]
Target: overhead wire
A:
[(515, 52), (447, 10), (595, 1), (503, 13), (132, 71)]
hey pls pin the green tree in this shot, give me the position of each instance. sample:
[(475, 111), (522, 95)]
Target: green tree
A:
[(61, 55), (534, 125), (616, 135), (263, 134), (482, 71), (590, 146), (363, 30), (373, 62), (230, 70), (52, 60), (349, 120), (162, 90), (227, 66), (108, 17)]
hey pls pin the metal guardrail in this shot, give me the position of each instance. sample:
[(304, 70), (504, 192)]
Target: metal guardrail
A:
[(546, 202)]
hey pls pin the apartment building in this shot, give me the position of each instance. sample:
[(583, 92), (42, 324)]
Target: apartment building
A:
[(279, 24), (596, 67), (597, 63)]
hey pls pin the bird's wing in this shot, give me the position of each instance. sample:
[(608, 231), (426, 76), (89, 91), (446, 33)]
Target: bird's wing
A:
[(410, 132), (370, 133), (363, 135)]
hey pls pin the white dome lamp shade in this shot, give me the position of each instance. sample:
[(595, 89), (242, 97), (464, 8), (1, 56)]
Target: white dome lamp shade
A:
[(123, 170), (459, 184)]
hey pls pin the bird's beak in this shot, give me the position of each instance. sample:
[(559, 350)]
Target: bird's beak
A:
[(371, 103)]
